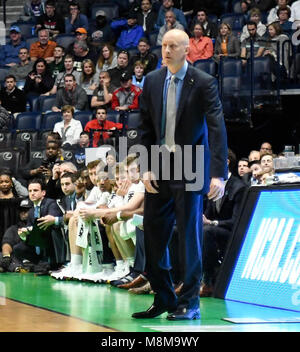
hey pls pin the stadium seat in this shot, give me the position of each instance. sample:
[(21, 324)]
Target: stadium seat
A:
[(46, 102), (134, 119), (84, 117), (49, 120), (111, 10), (213, 18), (33, 101), (230, 94), (236, 21), (31, 40), (5, 139), (156, 50), (65, 40), (20, 84), (3, 73), (230, 67), (208, 66), (262, 73), (20, 137), (37, 153), (113, 116), (11, 159), (153, 38), (28, 121)]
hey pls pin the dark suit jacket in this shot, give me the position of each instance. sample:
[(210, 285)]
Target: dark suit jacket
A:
[(199, 109), (54, 239), (230, 204)]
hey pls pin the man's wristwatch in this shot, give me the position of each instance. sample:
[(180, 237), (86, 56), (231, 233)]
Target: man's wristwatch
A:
[(119, 215), (215, 222)]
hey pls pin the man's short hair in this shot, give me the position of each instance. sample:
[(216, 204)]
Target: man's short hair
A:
[(284, 9), (70, 75), (93, 164), (50, 3), (101, 108), (71, 175), (74, 3), (83, 133), (251, 23), (40, 181), (10, 76), (144, 40)]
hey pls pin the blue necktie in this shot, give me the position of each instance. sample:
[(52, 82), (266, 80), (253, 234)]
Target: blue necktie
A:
[(36, 216)]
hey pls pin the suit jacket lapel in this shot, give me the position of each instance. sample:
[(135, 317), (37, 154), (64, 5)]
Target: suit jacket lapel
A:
[(188, 84)]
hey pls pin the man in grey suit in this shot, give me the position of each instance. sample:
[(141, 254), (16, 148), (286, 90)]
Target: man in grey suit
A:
[(181, 111)]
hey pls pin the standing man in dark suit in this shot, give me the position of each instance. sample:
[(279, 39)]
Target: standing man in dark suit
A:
[(181, 111), (41, 241)]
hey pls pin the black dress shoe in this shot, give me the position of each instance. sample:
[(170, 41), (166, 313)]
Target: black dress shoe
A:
[(184, 314), (152, 312)]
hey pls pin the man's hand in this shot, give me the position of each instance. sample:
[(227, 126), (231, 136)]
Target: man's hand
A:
[(45, 222), (216, 189), (109, 218), (86, 214), (205, 220), (149, 179), (123, 189)]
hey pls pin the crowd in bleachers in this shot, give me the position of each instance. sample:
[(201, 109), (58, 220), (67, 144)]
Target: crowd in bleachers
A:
[(72, 73)]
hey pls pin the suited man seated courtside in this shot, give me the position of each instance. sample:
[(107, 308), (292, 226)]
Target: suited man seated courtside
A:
[(42, 242), (219, 219)]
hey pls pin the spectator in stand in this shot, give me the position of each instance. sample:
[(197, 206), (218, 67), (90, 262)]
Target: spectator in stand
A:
[(10, 187), (276, 36), (51, 20), (101, 123), (100, 30), (266, 148), (243, 167), (138, 77), (255, 16), (11, 238), (9, 53), (60, 78), (273, 13), (63, 7), (75, 19), (254, 155), (295, 11), (226, 44), (144, 55), (72, 94), (107, 58), (82, 52), (39, 80), (79, 150), (21, 70), (210, 28), (102, 95), (12, 98), (89, 78), (57, 65), (170, 23), (130, 31), (146, 17), (258, 45), (41, 168), (81, 34), (126, 97), (122, 66), (43, 48), (69, 129), (32, 10), (284, 19), (201, 47), (167, 5)]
